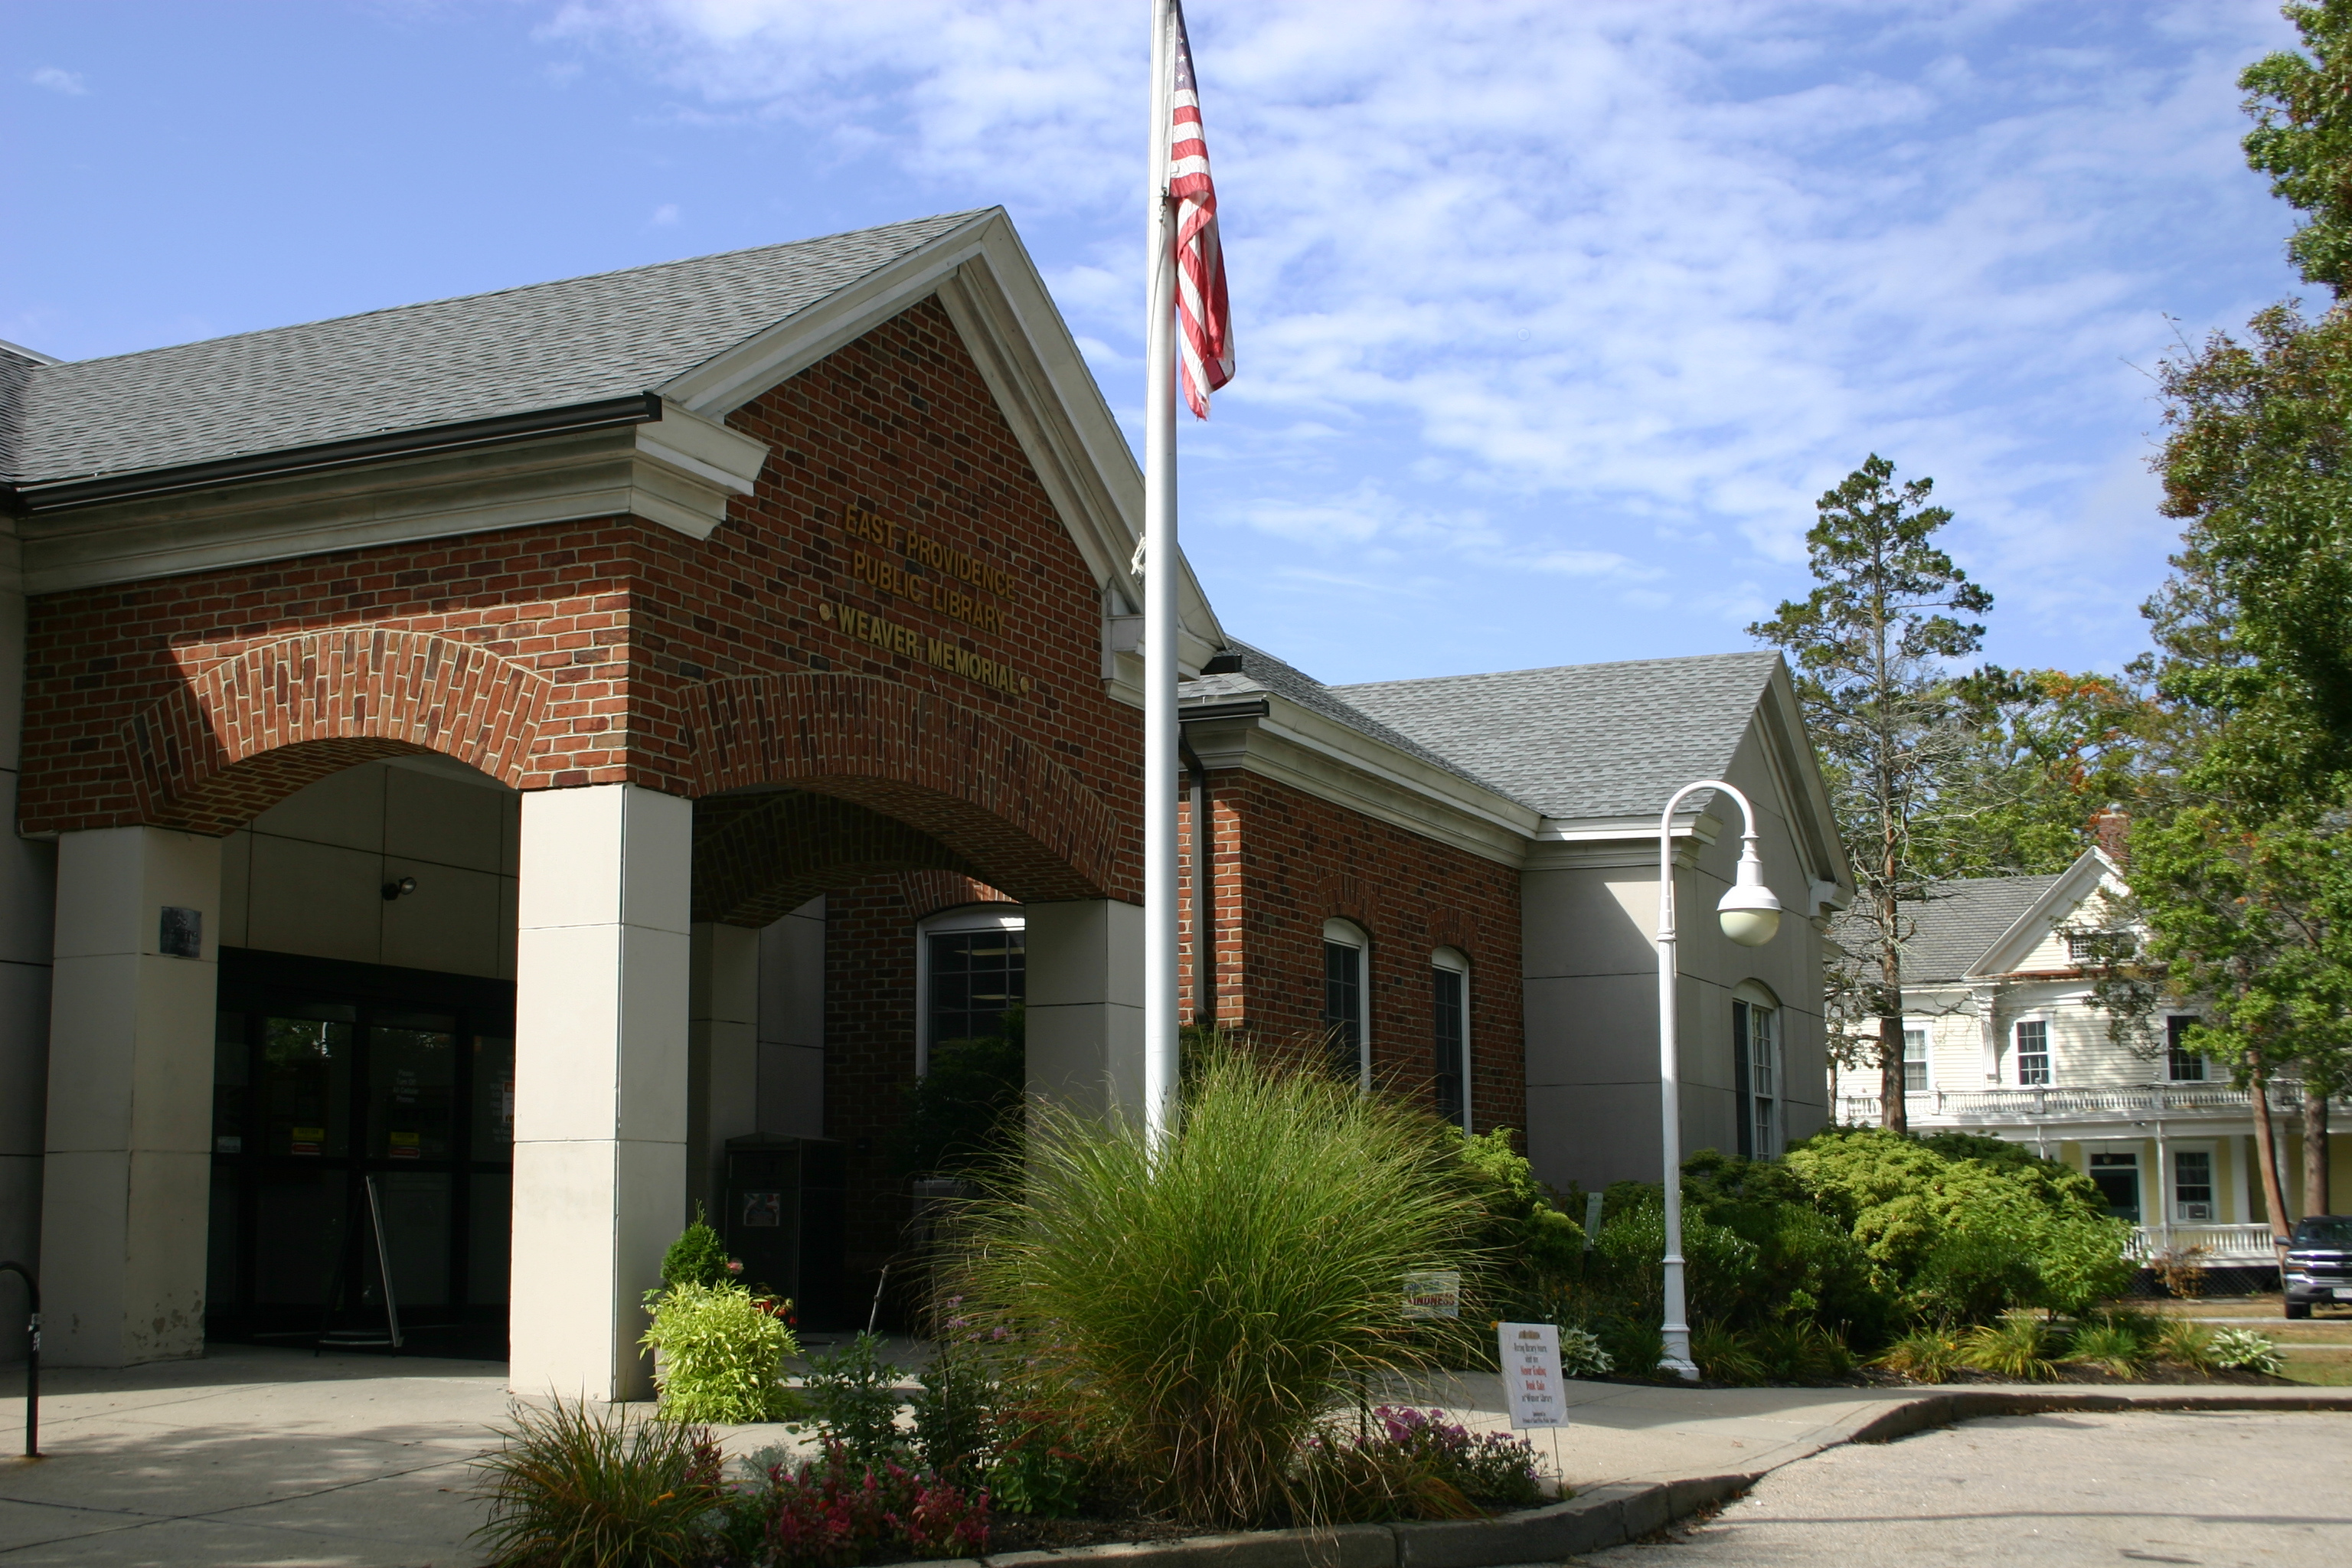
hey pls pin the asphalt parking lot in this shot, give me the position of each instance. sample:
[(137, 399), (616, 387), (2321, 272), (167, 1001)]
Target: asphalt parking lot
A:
[(2205, 1489)]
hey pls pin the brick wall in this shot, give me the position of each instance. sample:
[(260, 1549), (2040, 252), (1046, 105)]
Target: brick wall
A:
[(899, 507), (1286, 862)]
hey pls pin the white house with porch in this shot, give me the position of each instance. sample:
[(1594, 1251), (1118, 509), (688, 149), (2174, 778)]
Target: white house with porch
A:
[(2001, 1037)]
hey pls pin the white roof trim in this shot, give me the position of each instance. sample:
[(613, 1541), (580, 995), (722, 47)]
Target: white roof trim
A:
[(983, 278), (2091, 871)]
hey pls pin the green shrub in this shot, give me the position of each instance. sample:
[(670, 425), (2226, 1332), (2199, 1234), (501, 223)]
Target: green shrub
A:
[(2184, 1344), (1633, 1345), (1210, 1300), (1924, 1355), (852, 1396), (574, 1488), (697, 1257), (1412, 1464), (2244, 1349), (955, 1402), (2014, 1347), (1525, 1230), (1968, 1226), (1800, 1264), (722, 1355), (964, 1114)]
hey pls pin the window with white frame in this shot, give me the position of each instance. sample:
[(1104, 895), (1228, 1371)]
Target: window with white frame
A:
[(1756, 1070), (1346, 1002), (1449, 980), (971, 966), (1915, 1061), (2182, 1065), (2032, 1051), (2192, 1184)]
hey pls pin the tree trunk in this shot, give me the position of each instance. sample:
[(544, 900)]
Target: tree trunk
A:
[(2315, 1189), (1894, 1115), (2265, 1150), (1894, 1112)]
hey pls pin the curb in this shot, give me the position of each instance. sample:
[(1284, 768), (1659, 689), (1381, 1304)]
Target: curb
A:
[(1973, 1405), (1605, 1516)]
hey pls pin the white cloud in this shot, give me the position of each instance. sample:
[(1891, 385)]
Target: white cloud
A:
[(1561, 287), (664, 215), (71, 83)]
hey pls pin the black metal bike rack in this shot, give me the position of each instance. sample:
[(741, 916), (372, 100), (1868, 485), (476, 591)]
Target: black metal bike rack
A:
[(32, 1359)]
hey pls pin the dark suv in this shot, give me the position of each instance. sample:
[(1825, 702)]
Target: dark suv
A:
[(2319, 1263)]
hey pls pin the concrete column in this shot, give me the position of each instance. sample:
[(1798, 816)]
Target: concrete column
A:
[(127, 1182), (1086, 1004), (792, 1023), (28, 911), (600, 984), (722, 1044)]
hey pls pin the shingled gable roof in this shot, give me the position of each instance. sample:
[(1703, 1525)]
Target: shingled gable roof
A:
[(476, 357), (1582, 740), (1262, 674)]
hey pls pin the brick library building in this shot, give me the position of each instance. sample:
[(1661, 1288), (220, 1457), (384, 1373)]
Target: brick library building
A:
[(490, 776)]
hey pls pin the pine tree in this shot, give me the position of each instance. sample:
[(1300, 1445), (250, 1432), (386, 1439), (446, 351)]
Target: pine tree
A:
[(1871, 644)]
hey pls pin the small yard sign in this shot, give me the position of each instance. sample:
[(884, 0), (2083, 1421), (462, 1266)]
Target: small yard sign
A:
[(1530, 1359), (1434, 1294)]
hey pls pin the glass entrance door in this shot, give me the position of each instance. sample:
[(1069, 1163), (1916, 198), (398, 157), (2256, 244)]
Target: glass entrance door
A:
[(327, 1076)]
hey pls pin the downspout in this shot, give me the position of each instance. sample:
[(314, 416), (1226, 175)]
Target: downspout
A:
[(1205, 892)]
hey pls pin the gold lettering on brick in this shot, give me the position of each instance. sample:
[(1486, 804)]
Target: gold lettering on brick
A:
[(937, 652), (944, 559)]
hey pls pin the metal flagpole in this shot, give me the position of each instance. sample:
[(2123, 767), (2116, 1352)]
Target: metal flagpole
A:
[(1160, 576)]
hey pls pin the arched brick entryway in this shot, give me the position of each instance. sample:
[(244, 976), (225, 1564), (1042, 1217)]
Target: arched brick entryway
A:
[(250, 725)]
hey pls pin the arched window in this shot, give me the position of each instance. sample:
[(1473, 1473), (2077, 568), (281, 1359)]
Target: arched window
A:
[(1756, 1068), (1449, 980), (1348, 1000), (971, 965)]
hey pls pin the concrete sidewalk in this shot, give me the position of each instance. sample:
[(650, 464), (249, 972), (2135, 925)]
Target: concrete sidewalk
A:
[(274, 1459)]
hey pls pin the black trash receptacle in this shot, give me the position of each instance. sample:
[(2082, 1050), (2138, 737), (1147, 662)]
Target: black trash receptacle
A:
[(784, 1219)]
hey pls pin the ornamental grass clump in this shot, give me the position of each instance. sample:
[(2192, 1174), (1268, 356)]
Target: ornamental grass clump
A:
[(2121, 1343), (1210, 1301), (722, 1355), (571, 1486), (2015, 1348)]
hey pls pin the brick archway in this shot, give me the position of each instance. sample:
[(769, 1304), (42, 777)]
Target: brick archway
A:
[(250, 725), (1006, 811), (758, 858)]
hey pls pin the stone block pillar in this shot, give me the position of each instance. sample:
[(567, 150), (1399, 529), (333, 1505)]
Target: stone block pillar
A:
[(722, 1057), (127, 1169), (601, 989), (1086, 1004)]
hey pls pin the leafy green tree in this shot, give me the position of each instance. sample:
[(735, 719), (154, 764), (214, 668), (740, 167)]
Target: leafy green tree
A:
[(1872, 643), (2302, 106), (2258, 461), (2251, 920), (2049, 751)]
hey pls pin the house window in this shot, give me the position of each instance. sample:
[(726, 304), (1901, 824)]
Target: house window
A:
[(1756, 1075), (2192, 1184), (2117, 1178), (1915, 1061), (2181, 1064), (2032, 1052), (974, 968), (1345, 1024), (1449, 975)]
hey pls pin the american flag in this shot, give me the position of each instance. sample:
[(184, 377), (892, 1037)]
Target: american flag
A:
[(1205, 324)]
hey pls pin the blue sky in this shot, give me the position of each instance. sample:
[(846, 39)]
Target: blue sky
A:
[(1553, 317)]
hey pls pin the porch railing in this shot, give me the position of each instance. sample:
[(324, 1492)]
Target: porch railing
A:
[(2089, 1104), (2228, 1245)]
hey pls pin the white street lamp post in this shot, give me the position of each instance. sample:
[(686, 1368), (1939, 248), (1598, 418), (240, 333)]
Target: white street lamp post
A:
[(1750, 915)]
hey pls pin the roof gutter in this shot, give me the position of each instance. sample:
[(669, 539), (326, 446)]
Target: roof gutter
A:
[(638, 408)]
